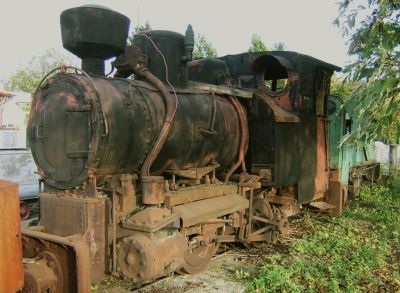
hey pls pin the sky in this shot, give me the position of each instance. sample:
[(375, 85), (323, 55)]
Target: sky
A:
[(29, 28)]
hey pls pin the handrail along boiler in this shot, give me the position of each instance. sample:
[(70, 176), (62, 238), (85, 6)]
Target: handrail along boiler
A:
[(147, 176)]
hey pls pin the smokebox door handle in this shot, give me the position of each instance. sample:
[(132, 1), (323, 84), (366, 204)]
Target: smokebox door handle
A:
[(39, 131)]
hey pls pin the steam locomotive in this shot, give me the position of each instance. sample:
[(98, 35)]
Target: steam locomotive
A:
[(145, 173)]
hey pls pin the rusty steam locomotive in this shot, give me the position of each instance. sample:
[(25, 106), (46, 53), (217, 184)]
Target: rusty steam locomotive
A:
[(146, 176)]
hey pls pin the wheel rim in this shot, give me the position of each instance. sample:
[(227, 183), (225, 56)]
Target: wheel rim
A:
[(263, 209), (24, 211), (196, 259)]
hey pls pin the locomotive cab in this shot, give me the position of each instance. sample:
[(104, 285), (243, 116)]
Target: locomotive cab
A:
[(287, 119)]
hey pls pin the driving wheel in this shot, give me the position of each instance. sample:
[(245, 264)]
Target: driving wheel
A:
[(200, 250)]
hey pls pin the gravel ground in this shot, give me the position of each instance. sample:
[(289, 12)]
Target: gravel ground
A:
[(218, 278)]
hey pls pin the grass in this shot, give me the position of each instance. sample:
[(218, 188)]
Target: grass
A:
[(356, 252)]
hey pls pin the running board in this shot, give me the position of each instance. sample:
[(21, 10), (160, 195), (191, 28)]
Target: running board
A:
[(203, 210)]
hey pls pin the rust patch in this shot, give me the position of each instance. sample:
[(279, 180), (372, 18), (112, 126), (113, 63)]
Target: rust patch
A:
[(195, 63), (85, 217), (284, 101), (151, 219), (203, 210), (321, 178), (70, 100), (192, 194), (336, 197), (334, 175), (68, 260), (280, 113), (143, 259), (153, 189)]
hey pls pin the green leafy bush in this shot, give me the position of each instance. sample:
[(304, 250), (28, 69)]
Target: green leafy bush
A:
[(356, 252)]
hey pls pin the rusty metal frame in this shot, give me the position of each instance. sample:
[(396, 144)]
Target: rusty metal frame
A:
[(81, 250), (196, 193), (200, 211)]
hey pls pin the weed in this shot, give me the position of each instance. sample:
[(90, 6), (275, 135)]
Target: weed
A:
[(356, 252)]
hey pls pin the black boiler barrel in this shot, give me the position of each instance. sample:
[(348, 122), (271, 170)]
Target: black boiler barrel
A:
[(80, 126)]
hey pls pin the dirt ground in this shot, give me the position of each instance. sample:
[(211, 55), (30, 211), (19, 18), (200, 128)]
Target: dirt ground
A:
[(220, 277)]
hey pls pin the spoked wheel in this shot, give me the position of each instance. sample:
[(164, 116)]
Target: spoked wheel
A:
[(263, 209), (24, 210), (198, 255)]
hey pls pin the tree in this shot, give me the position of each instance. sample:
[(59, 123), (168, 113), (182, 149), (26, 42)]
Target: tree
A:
[(138, 29), (343, 89), (280, 46), (374, 38), (203, 48), (28, 78), (257, 45), (142, 28)]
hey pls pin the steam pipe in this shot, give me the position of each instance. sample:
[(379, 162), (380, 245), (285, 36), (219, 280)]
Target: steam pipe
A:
[(243, 139), (171, 105)]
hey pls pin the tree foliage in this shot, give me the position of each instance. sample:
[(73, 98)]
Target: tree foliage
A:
[(138, 29), (142, 28), (280, 46), (203, 48), (374, 38), (257, 45), (28, 78), (344, 89)]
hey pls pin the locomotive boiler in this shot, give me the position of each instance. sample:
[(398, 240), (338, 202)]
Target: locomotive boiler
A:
[(145, 176)]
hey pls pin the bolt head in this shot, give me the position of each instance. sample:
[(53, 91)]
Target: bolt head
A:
[(131, 259), (51, 264)]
